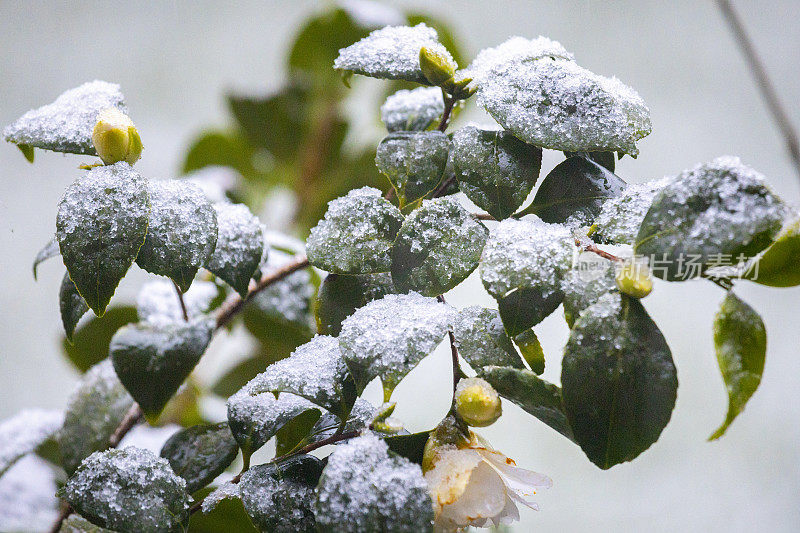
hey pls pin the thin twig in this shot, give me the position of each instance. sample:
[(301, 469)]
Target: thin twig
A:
[(589, 247), (453, 355), (483, 216), (179, 292), (449, 102), (764, 83)]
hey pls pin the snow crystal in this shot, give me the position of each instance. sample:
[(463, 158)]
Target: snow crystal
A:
[(437, 247), (226, 491), (215, 182), (288, 300), (240, 245), (27, 496), (363, 488), (514, 49), (415, 162), (540, 94), (158, 304), (481, 339), (66, 125), (315, 371), (526, 253), (181, 232), (391, 53), (276, 502), (356, 234), (412, 110), (23, 433), (388, 337), (620, 217), (591, 277)]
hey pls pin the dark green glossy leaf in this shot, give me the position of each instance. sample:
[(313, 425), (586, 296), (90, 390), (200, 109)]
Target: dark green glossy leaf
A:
[(221, 148), (71, 305), (200, 453), (576, 187), (152, 361), (533, 394), (227, 515), (741, 342), (240, 246), (437, 247), (414, 162), (27, 151), (495, 170), (101, 224), (606, 159), (339, 296), (77, 524), (717, 209), (90, 342), (94, 411), (50, 250), (295, 431), (531, 350), (619, 381), (410, 446), (481, 339), (779, 266)]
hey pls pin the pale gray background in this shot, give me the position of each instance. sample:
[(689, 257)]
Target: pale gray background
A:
[(175, 59)]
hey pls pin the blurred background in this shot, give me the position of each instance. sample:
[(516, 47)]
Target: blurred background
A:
[(176, 61)]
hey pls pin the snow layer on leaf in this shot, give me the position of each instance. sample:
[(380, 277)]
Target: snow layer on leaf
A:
[(414, 161), (412, 110), (481, 339), (360, 417), (240, 244), (276, 503), (157, 302), (514, 49), (356, 234), (226, 491), (391, 53), (24, 432), (66, 125), (27, 496), (590, 278), (364, 488), (388, 337), (288, 300), (542, 96), (620, 217)]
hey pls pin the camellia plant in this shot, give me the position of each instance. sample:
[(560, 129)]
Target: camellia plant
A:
[(363, 298)]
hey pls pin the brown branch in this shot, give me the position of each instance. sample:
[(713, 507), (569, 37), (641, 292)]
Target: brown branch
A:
[(765, 85), (449, 102), (483, 216), (589, 247), (179, 292), (457, 372)]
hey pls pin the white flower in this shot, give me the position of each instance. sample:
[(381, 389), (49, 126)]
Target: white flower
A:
[(477, 485)]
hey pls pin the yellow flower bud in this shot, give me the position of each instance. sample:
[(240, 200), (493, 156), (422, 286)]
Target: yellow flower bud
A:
[(477, 403), (437, 68), (634, 279), (115, 137)]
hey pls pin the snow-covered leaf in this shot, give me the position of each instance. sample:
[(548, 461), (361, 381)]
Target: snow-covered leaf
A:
[(94, 410), (71, 305), (128, 490), (715, 209), (78, 524), (152, 361), (356, 234), (157, 302), (522, 266), (412, 110), (66, 125), (481, 339), (591, 277), (388, 337), (620, 217), (200, 453), (49, 251), (619, 381), (362, 414), (101, 224), (240, 246), (391, 53), (182, 231), (316, 371), (364, 488), (534, 89), (27, 496), (437, 247), (23, 433), (339, 297), (226, 491), (279, 497), (414, 161), (495, 170)]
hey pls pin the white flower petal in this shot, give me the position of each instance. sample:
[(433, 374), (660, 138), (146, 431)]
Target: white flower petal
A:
[(521, 482), (509, 514), (484, 498), (450, 476)]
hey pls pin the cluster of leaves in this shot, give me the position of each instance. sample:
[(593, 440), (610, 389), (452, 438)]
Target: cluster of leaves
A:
[(387, 258)]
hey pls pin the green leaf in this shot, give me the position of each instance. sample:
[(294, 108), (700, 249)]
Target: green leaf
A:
[(50, 250), (536, 90), (741, 342), (495, 170), (280, 496), (365, 488), (296, 431), (437, 247), (101, 224), (71, 305), (375, 343), (445, 31), (128, 490), (227, 515), (152, 361), (411, 446), (412, 110), (317, 372), (77, 524), (414, 161), (221, 148), (238, 375), (717, 209), (90, 341), (481, 339), (577, 187), (605, 159), (535, 395), (620, 217), (779, 265), (591, 277), (181, 233), (240, 245), (619, 381), (356, 235), (531, 350), (66, 124), (339, 297), (522, 266), (94, 410), (23, 433), (200, 453)]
